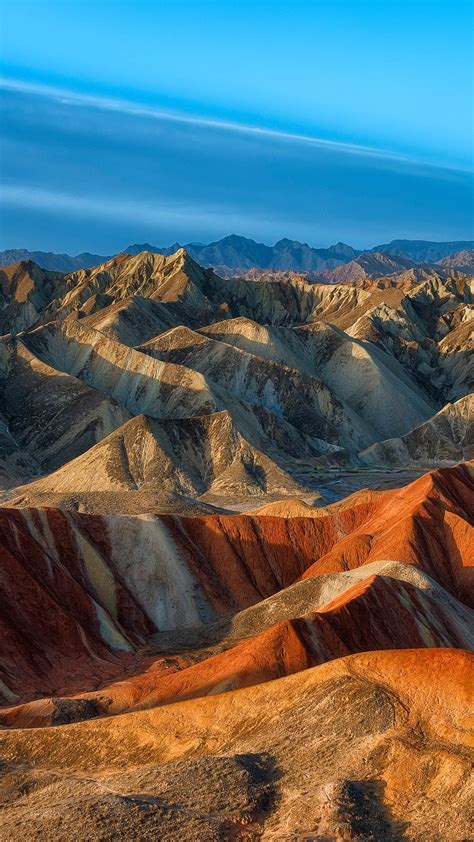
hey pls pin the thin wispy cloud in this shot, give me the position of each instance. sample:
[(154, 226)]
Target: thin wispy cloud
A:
[(130, 108), (120, 207), (84, 172)]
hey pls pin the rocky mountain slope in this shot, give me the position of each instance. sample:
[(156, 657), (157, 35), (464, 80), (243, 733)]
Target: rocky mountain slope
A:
[(193, 645), (447, 434), (463, 261), (200, 646), (242, 387), (367, 265)]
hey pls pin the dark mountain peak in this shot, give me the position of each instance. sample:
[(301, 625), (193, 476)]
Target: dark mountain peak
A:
[(285, 243), (236, 254), (342, 250), (423, 251), (137, 248), (234, 239)]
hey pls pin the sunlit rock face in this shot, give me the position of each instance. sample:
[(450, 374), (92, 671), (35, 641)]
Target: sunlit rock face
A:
[(111, 581), (238, 386), (236, 593)]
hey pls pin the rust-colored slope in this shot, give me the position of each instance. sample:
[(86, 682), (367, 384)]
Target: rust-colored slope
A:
[(428, 523), (81, 592), (377, 613), (57, 629), (417, 675), (392, 727)]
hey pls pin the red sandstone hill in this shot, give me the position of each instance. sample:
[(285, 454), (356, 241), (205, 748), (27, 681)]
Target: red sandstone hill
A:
[(429, 523), (376, 613), (81, 594), (218, 676)]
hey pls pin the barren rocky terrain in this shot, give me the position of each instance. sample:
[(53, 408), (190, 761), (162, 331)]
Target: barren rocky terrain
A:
[(237, 549)]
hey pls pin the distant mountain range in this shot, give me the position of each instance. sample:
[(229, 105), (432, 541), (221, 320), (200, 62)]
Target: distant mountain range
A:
[(424, 251), (234, 254), (237, 255), (51, 261)]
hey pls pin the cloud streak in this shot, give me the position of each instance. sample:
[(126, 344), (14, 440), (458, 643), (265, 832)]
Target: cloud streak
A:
[(133, 109), (120, 208), (84, 172)]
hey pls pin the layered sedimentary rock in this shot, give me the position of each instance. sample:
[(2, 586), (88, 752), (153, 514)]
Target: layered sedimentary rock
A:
[(143, 459), (193, 645), (308, 375), (389, 607), (118, 579)]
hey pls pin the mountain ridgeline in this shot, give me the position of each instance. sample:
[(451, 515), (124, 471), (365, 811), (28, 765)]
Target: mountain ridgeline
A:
[(233, 387), (236, 255)]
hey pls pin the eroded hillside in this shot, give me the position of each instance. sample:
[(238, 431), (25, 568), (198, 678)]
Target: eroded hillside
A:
[(236, 552), (140, 650), (238, 387)]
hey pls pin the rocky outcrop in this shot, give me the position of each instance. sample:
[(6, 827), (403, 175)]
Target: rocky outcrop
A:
[(463, 261), (117, 579), (367, 265), (447, 437), (148, 459), (361, 722)]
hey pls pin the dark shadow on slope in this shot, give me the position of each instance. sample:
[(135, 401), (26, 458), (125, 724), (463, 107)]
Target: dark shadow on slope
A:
[(365, 815)]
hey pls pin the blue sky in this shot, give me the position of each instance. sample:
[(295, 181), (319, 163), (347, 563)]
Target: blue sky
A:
[(177, 120)]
